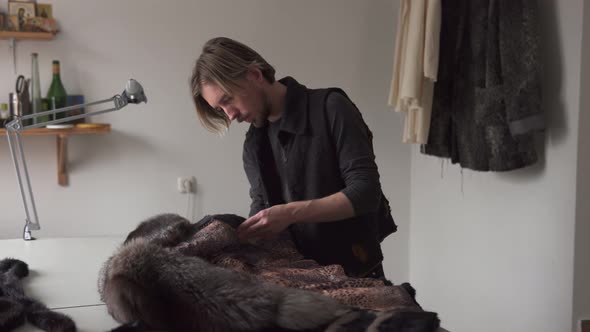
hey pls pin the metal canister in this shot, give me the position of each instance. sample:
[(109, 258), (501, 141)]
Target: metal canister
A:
[(14, 106)]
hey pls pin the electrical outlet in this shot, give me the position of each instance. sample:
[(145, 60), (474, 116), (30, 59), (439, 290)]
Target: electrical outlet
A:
[(186, 184)]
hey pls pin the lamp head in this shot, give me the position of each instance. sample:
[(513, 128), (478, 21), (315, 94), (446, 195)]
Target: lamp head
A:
[(134, 92)]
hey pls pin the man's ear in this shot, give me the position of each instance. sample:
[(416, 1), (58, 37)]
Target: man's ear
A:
[(254, 75)]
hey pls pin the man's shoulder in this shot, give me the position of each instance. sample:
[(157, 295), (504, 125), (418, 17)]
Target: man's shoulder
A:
[(337, 97), (333, 101), (327, 98), (291, 82)]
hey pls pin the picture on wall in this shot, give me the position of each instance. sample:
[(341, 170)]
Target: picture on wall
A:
[(11, 23), (22, 10), (44, 10)]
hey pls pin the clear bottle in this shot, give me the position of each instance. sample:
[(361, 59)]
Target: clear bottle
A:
[(36, 89)]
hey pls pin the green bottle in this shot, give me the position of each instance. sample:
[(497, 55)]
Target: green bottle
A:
[(56, 95), (4, 114)]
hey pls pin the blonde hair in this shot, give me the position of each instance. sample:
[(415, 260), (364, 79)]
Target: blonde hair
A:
[(223, 62)]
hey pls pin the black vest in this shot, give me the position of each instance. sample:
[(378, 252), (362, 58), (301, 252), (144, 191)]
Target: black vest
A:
[(312, 171)]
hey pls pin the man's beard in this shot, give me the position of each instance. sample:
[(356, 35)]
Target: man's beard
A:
[(262, 119)]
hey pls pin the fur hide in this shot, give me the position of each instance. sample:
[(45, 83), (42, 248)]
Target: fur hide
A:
[(171, 275), (16, 307)]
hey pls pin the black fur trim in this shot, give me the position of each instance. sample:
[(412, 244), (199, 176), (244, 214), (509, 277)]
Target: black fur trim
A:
[(12, 314), (15, 267)]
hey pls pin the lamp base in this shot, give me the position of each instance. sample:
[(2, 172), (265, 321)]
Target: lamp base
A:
[(27, 236)]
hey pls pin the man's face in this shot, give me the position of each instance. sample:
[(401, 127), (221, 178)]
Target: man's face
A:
[(248, 103)]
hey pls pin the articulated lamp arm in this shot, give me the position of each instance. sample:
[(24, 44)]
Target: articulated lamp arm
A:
[(133, 94)]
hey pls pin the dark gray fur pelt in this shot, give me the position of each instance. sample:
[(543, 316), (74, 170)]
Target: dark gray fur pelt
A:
[(16, 308), (148, 283)]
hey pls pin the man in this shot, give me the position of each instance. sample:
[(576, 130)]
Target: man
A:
[(308, 156)]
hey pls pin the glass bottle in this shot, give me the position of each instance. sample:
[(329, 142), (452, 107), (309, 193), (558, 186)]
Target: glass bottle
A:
[(36, 89), (4, 114), (56, 95)]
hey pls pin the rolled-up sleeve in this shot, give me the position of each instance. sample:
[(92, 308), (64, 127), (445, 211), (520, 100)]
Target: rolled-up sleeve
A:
[(353, 142)]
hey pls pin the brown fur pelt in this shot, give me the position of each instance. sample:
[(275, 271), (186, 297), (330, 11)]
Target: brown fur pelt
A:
[(171, 275)]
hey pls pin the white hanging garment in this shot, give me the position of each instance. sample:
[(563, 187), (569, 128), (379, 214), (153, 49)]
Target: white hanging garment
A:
[(415, 65)]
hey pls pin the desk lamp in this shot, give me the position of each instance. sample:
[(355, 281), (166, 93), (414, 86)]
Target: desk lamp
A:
[(133, 94)]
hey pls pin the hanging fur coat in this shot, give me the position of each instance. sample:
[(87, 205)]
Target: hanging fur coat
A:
[(487, 100), (171, 275)]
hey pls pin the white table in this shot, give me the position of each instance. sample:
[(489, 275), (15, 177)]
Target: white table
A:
[(63, 275)]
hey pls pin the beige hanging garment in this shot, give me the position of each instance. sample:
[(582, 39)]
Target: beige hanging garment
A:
[(415, 65)]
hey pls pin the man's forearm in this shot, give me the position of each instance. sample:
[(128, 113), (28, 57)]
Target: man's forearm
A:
[(277, 218), (330, 208)]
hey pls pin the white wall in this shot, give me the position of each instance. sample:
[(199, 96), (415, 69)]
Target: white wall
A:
[(118, 179), (494, 252), (489, 252), (581, 291)]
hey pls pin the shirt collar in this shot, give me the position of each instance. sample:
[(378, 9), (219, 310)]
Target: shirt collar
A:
[(294, 117)]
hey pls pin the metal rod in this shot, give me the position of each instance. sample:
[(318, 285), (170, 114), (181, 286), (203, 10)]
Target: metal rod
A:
[(61, 110), (33, 224), (13, 147), (69, 118), (20, 166)]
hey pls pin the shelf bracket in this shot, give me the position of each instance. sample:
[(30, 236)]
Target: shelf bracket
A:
[(62, 160), (62, 143)]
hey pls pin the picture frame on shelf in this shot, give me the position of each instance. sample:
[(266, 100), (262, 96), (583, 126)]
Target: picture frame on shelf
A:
[(23, 10), (11, 23), (40, 24), (45, 10)]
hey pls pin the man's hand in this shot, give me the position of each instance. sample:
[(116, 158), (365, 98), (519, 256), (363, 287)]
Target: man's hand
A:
[(266, 223), (270, 222)]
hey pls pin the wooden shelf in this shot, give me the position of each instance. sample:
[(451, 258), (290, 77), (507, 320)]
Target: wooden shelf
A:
[(62, 143), (18, 35)]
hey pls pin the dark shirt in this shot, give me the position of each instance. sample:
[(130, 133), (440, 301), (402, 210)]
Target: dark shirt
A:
[(279, 154)]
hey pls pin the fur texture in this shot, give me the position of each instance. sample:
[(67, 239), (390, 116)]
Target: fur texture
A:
[(487, 99), (170, 275), (16, 307), (166, 291)]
